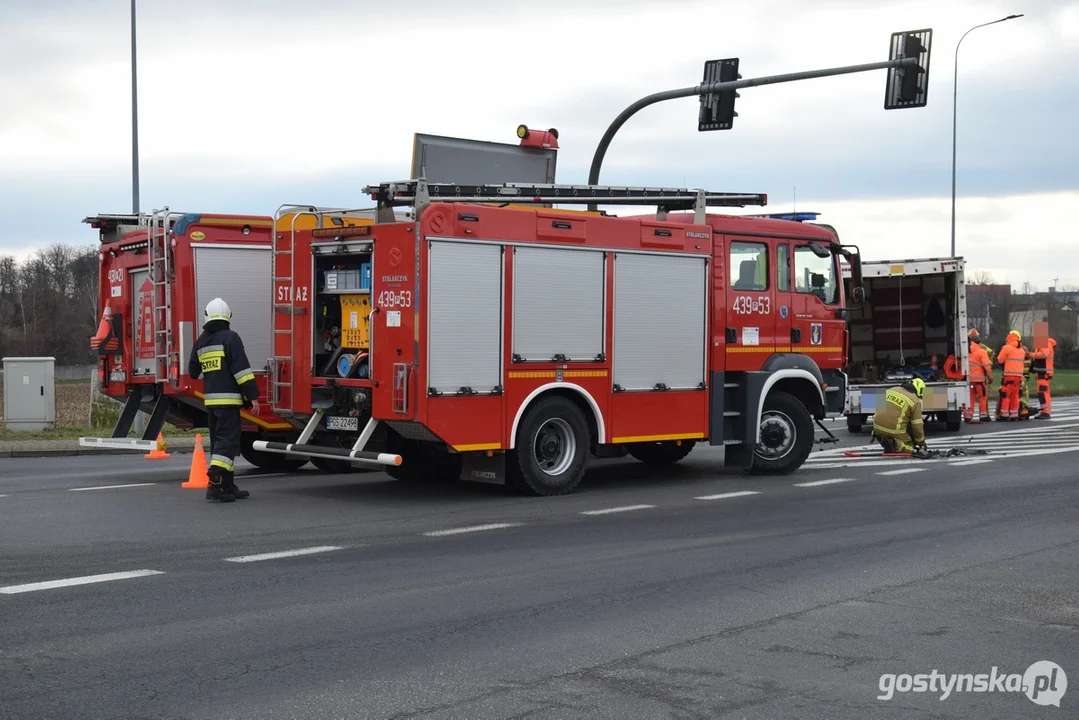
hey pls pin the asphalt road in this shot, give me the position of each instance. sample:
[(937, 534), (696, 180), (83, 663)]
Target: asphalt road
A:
[(695, 592)]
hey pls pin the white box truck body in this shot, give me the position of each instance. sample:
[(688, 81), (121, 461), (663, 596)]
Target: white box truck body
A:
[(912, 323)]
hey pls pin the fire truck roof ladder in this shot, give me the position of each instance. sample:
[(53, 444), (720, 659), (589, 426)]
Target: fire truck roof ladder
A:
[(161, 298), (420, 193)]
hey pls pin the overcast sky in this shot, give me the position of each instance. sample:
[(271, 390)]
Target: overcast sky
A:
[(249, 104)]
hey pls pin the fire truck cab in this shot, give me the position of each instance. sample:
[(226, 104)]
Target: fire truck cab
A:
[(495, 338)]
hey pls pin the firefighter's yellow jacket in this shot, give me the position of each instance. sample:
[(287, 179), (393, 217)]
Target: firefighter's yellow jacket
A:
[(901, 407)]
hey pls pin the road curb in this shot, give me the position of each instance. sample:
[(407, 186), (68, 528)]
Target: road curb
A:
[(71, 448)]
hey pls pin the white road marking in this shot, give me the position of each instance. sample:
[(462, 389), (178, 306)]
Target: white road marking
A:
[(833, 481), (283, 554), (624, 508), (724, 496), (3, 495), (971, 462), (109, 487), (470, 529), (85, 580), (904, 471)]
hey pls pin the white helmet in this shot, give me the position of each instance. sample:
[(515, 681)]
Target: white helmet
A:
[(218, 309)]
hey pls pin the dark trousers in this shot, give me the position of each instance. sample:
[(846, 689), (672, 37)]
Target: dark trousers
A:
[(224, 424)]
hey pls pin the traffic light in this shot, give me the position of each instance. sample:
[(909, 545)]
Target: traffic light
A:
[(717, 108), (908, 86)]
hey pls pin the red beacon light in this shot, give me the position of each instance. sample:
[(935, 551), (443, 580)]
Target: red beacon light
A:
[(536, 138)]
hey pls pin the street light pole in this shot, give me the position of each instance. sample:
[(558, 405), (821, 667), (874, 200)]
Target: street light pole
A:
[(955, 88), (134, 120)]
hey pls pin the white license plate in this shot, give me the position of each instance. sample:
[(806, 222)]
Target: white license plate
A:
[(342, 423), (117, 376)]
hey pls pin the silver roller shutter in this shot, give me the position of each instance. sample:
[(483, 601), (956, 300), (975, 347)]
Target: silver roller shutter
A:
[(464, 316), (558, 303), (659, 321), (241, 277)]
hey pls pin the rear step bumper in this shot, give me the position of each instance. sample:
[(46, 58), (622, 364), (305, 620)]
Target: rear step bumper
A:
[(306, 450)]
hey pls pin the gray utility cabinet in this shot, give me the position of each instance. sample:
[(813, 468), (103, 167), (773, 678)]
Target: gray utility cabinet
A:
[(29, 393)]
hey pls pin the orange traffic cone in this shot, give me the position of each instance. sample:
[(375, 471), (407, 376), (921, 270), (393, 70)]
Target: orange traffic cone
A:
[(104, 332), (159, 452), (198, 477)]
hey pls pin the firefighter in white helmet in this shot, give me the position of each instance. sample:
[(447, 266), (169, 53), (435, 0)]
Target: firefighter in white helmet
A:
[(228, 385)]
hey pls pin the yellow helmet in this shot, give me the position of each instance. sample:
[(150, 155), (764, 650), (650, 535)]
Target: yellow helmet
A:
[(917, 386)]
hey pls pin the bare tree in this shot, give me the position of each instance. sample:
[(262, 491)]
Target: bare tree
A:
[(981, 277)]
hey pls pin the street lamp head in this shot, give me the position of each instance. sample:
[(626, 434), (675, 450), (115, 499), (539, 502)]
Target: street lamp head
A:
[(1013, 17)]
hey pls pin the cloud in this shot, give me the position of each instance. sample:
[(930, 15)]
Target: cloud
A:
[(245, 105)]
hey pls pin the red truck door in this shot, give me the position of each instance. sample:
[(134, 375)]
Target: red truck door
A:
[(784, 312), (818, 328), (751, 331)]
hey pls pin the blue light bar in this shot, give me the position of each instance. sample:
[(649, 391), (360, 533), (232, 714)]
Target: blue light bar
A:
[(797, 216)]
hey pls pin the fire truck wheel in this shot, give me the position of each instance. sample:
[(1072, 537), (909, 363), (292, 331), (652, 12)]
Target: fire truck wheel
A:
[(786, 436), (552, 448), (661, 453)]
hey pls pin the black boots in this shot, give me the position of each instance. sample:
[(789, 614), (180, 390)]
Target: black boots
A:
[(222, 487), (230, 485)]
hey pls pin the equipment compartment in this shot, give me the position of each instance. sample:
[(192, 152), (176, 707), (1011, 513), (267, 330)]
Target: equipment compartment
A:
[(342, 336)]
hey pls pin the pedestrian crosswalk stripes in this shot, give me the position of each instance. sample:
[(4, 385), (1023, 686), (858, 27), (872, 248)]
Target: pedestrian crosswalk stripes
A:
[(1034, 437)]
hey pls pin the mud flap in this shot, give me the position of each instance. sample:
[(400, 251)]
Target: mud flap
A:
[(478, 467)]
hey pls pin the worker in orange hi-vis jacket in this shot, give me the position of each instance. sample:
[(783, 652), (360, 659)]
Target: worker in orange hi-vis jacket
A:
[(1012, 357), (981, 372), (1043, 369)]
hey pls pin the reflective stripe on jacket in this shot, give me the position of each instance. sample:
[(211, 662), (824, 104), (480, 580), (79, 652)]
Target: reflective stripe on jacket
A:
[(1013, 359), (901, 407), (1043, 360), (980, 367), (219, 358)]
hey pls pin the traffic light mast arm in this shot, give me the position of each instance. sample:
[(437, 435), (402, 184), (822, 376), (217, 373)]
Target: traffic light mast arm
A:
[(704, 89)]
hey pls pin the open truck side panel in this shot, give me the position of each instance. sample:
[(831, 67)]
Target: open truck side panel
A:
[(913, 322)]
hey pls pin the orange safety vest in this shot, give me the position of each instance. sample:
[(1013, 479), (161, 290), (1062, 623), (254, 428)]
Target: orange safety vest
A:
[(980, 367), (1043, 360), (1013, 359)]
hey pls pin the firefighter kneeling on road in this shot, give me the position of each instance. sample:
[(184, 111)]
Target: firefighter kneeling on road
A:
[(228, 385), (898, 425)]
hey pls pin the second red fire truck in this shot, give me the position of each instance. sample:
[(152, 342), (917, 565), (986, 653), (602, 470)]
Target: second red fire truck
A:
[(494, 338)]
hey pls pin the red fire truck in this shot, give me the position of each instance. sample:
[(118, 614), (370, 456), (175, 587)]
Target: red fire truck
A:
[(494, 338), (157, 273)]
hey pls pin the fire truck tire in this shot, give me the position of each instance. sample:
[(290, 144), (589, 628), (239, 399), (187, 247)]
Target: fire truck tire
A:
[(271, 462), (552, 448), (786, 436), (661, 453)]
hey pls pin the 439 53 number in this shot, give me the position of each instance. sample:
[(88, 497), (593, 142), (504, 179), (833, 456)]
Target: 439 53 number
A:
[(749, 305), (391, 299)]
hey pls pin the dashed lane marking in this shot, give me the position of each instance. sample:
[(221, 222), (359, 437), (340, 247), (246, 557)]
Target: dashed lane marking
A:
[(283, 554), (724, 496), (470, 529), (84, 580), (624, 508), (903, 471), (110, 487), (832, 481), (972, 462)]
